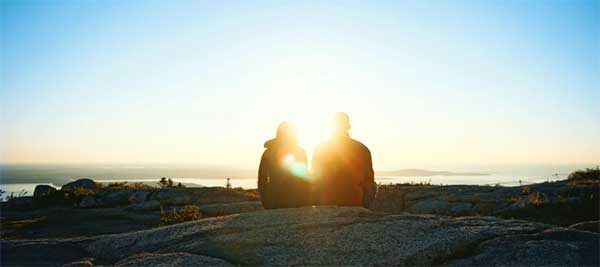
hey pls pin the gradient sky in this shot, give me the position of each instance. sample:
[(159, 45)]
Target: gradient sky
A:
[(206, 82)]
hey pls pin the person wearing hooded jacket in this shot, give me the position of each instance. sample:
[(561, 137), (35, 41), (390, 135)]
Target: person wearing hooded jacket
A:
[(343, 169), (280, 175)]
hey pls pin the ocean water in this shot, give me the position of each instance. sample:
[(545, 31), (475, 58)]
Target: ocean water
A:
[(22, 179), (27, 189)]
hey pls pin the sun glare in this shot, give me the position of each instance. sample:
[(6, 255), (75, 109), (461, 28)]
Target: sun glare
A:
[(313, 128)]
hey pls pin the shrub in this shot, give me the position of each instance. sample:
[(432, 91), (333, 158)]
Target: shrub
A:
[(587, 176), (127, 185), (117, 184), (536, 198), (184, 214), (81, 192)]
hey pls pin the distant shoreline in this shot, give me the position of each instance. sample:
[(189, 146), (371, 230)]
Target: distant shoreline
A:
[(426, 173)]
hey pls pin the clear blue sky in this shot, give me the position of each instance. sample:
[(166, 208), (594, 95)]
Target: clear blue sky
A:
[(208, 81)]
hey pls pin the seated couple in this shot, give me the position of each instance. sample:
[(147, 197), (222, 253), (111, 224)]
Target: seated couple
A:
[(342, 171)]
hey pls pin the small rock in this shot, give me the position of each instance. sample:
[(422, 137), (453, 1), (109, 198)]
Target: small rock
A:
[(43, 190)]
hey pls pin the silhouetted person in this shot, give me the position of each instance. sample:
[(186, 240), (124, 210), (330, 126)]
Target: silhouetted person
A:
[(282, 171), (343, 169)]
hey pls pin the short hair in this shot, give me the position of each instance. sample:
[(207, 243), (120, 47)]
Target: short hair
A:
[(341, 119)]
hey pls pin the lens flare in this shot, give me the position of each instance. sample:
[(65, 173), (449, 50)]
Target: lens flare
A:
[(299, 170), (289, 160)]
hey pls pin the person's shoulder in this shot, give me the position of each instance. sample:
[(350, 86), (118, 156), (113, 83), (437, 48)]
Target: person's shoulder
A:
[(360, 145)]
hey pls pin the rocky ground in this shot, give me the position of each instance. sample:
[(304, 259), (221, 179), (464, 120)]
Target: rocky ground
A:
[(113, 210), (560, 203), (549, 224), (322, 236)]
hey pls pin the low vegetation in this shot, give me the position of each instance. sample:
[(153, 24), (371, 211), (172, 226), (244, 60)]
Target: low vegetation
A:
[(571, 205), (126, 185), (184, 214), (82, 191), (411, 183), (6, 197)]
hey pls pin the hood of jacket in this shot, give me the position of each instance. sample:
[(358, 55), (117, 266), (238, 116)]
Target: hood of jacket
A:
[(276, 143), (270, 143)]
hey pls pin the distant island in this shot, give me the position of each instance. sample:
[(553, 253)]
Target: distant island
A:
[(424, 173)]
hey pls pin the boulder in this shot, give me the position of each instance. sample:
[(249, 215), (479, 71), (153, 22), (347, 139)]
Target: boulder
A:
[(171, 260), (139, 196), (114, 197), (86, 183), (43, 190), (88, 202)]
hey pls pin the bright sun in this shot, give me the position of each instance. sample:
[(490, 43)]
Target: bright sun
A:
[(311, 131)]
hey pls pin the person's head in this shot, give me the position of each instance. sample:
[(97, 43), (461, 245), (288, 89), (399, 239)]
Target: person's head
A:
[(286, 133), (340, 124)]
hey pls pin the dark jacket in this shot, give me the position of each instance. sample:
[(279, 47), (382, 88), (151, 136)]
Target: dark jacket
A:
[(280, 180), (344, 173)]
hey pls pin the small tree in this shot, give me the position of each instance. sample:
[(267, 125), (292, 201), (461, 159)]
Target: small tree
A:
[(169, 183), (165, 183), (162, 183)]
